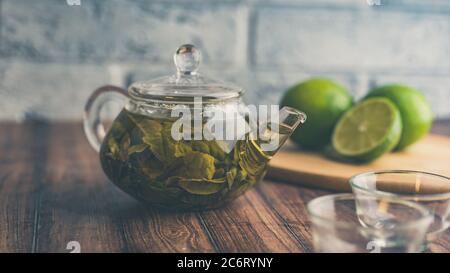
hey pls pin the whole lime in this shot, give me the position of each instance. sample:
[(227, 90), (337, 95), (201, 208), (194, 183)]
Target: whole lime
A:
[(415, 111), (323, 101)]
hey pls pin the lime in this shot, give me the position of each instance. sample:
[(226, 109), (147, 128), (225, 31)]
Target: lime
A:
[(368, 130), (323, 101), (414, 110)]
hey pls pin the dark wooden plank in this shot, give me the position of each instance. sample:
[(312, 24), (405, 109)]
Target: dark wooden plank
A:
[(289, 204), (20, 177), (249, 225), (442, 245), (52, 191), (79, 203), (75, 199)]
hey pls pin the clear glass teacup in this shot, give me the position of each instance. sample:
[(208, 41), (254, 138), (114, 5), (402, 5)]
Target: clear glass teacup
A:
[(345, 224), (427, 189)]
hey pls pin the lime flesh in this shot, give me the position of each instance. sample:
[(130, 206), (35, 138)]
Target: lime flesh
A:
[(368, 130)]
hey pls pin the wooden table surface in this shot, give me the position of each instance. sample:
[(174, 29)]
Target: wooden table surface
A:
[(53, 191)]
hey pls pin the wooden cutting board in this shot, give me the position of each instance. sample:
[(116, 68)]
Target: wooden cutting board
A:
[(432, 154)]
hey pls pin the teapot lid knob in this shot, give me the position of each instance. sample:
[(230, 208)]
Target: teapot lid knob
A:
[(187, 59)]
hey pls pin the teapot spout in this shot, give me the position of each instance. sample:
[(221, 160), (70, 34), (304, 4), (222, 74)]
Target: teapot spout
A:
[(276, 134), (290, 119)]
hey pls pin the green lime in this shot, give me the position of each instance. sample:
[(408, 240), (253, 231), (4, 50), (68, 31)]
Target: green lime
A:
[(414, 110), (368, 130), (323, 101)]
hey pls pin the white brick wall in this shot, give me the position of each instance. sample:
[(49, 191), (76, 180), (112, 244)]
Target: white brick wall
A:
[(352, 40), (116, 30), (54, 91), (53, 55)]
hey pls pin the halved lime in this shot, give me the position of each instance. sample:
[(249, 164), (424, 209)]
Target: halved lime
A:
[(415, 111), (368, 130)]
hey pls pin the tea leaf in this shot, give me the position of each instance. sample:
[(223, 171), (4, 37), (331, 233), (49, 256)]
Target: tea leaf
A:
[(216, 150), (152, 136), (113, 147), (176, 179), (152, 169), (136, 149), (241, 175), (202, 187), (123, 150), (118, 128), (198, 165), (240, 190), (180, 148), (200, 146), (160, 141), (231, 176), (220, 173)]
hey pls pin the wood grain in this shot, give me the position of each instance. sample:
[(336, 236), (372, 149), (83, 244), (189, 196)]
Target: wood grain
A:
[(52, 191), (249, 225), (289, 204), (20, 176)]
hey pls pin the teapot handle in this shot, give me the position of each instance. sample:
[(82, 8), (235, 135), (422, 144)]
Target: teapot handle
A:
[(93, 127)]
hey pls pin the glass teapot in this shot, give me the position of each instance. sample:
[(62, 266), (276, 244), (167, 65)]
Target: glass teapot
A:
[(186, 141)]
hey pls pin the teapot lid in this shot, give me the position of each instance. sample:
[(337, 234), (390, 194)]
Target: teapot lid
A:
[(186, 84)]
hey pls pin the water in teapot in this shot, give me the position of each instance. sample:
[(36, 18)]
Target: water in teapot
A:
[(140, 156)]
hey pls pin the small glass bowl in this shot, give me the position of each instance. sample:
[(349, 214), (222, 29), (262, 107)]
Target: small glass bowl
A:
[(340, 224), (427, 189)]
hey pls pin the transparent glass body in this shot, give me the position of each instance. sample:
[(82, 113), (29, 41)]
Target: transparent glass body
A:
[(430, 190), (347, 224), (141, 155)]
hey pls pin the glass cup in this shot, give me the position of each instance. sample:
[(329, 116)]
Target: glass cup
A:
[(339, 224), (427, 189)]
